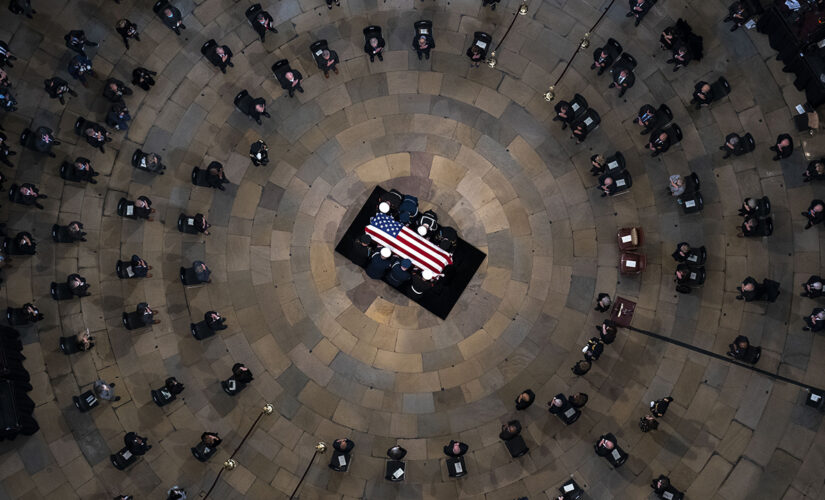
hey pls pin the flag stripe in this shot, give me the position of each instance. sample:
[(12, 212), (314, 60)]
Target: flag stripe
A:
[(403, 250), (423, 245)]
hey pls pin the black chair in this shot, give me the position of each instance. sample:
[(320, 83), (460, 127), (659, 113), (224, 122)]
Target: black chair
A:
[(626, 61), (590, 119), (570, 415), (123, 269), (396, 471), (17, 316), (624, 182), (666, 113), (317, 48), (697, 256), (579, 105), (570, 490), (123, 459), (613, 47), (456, 467), (279, 69), (200, 177), (616, 163), (61, 234), (126, 208), (243, 95), (68, 345), (692, 183), (85, 401), (516, 446), (186, 224), (763, 207), (202, 452), (133, 320), (80, 126), (423, 27), (252, 13), (61, 291), (208, 46), (483, 41), (339, 462), (696, 276), (201, 330), (617, 457), (162, 396), (372, 31), (189, 277), (675, 133), (720, 88), (692, 202)]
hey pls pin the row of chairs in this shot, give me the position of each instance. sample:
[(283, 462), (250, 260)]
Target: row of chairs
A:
[(16, 407), (583, 114)]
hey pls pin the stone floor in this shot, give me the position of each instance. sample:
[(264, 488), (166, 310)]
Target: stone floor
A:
[(339, 355)]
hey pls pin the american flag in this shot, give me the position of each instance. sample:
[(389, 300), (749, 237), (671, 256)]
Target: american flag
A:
[(406, 243)]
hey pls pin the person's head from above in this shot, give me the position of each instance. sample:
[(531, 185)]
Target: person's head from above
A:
[(564, 108), (325, 54), (475, 50), (373, 42), (524, 396), (406, 264), (603, 54), (599, 159), (747, 287), (743, 343), (512, 428), (365, 240), (341, 442), (167, 12), (784, 143), (289, 75), (608, 444), (260, 108), (113, 86), (422, 41), (818, 207), (623, 73), (705, 88), (556, 402), (386, 253), (663, 136), (684, 248), (819, 167), (682, 50), (680, 273), (456, 447), (608, 181), (261, 18)]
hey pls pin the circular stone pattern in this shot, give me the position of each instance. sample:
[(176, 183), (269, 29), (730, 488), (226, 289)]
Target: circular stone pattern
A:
[(340, 355)]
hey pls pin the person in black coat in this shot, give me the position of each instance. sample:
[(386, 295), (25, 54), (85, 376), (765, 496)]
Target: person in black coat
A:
[(211, 439), (639, 9), (220, 56), (750, 290), (581, 367), (214, 321), (83, 171), (201, 224), (28, 311), (77, 285), (6, 56), (681, 56), (292, 82), (682, 274), (734, 145), (815, 171), (423, 44), (343, 445), (22, 7), (659, 142), (127, 29), (607, 185), (682, 252), (241, 373), (702, 94), (598, 165), (142, 77), (603, 302), (815, 320), (263, 23), (76, 40), (114, 90), (143, 208), (42, 140), (525, 399), (172, 18), (475, 55), (139, 267), (253, 107), (147, 315), (593, 350), (374, 47), (813, 287), (96, 136), (79, 67), (56, 87), (137, 445), (607, 331), (455, 449), (564, 114), (602, 59), (815, 213), (118, 117), (362, 249), (5, 151), (558, 404), (646, 118), (258, 153), (623, 80), (577, 400), (659, 407), (22, 244), (216, 177), (648, 423), (579, 132), (328, 61), (783, 147), (510, 430), (742, 350), (605, 445), (28, 194), (738, 14)]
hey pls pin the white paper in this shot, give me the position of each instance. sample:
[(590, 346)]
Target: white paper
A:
[(693, 276), (690, 203), (630, 263), (626, 239), (319, 52), (815, 397), (569, 413), (342, 461), (127, 455), (588, 121), (620, 182), (792, 4), (458, 469), (190, 221), (800, 109), (575, 106), (612, 165), (481, 44), (130, 209), (398, 473), (423, 31), (568, 488), (693, 258), (129, 272), (667, 495), (616, 455), (750, 24)]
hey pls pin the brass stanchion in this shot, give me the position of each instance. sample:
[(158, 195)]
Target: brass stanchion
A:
[(321, 447)]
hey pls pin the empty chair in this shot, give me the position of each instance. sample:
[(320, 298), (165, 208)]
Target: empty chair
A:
[(516, 446), (631, 263), (623, 181), (667, 115), (579, 105), (697, 256), (615, 163), (626, 61), (675, 132), (720, 88), (630, 238)]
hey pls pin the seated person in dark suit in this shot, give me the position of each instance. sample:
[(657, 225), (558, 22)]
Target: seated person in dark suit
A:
[(702, 94), (682, 252), (564, 114), (77, 285), (142, 77), (750, 290), (510, 430), (343, 445), (577, 400), (258, 153), (214, 320), (734, 145), (607, 331), (28, 194), (76, 40), (593, 350), (558, 404), (813, 287), (815, 320), (5, 152), (598, 165), (143, 208), (750, 227), (639, 9), (42, 141), (422, 45), (815, 213), (79, 67), (114, 90), (82, 169), (738, 14), (605, 445), (96, 135), (681, 56), (127, 29), (659, 407), (400, 272), (525, 399), (220, 56), (741, 349), (648, 423), (602, 59), (783, 147), (263, 23), (253, 107), (362, 249), (6, 56), (292, 82), (23, 244), (580, 132), (603, 302), (118, 116), (455, 449), (623, 80), (374, 47), (646, 118), (140, 267), (815, 171), (172, 19), (242, 374), (216, 176), (682, 274), (581, 367), (147, 314), (607, 185), (137, 445), (659, 142), (329, 61), (56, 87)]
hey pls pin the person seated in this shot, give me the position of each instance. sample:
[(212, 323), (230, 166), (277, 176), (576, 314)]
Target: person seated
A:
[(379, 264), (362, 249), (750, 290), (84, 341), (143, 208), (28, 313), (142, 77), (648, 423), (564, 114), (258, 153), (201, 271), (813, 287), (607, 331), (750, 227), (525, 399), (374, 47), (681, 56), (76, 40), (5, 151), (815, 213), (581, 367), (241, 373), (210, 439), (6, 56), (605, 445), (741, 349), (682, 252), (580, 132), (7, 100), (623, 80), (676, 185), (646, 118), (343, 445), (659, 142), (139, 267), (96, 136), (607, 185), (216, 177), (253, 107), (22, 244), (201, 224), (176, 493), (105, 391), (673, 34), (151, 162), (57, 87), (738, 14), (396, 453), (603, 302), (42, 140), (407, 209), (172, 19), (603, 58), (28, 194), (682, 274), (734, 145), (593, 350), (577, 400), (423, 44), (114, 90), (147, 315), (118, 116), (702, 94), (510, 430), (662, 488), (455, 449), (328, 61), (558, 405), (783, 147), (127, 29), (77, 285), (815, 320), (214, 321), (263, 23), (598, 165), (475, 55), (659, 407), (815, 171), (220, 56), (79, 67), (137, 445), (292, 82), (82, 170), (639, 9)]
